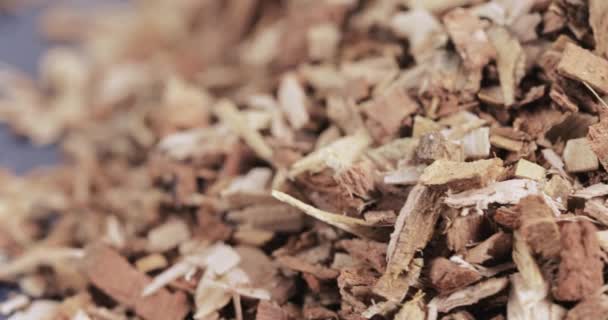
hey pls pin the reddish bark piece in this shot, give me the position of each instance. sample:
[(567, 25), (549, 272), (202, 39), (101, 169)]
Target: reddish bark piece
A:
[(447, 276), (580, 269), (110, 272)]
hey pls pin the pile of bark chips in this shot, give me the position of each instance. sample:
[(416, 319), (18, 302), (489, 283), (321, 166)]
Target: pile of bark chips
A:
[(312, 159)]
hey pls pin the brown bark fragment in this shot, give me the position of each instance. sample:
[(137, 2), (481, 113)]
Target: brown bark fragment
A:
[(459, 315), (300, 265), (538, 226), (463, 231), (447, 276), (595, 307), (434, 146), (357, 180), (579, 156), (508, 217), (268, 310), (113, 274), (413, 230), (597, 210), (582, 65), (598, 19), (462, 175), (598, 140), (493, 248), (372, 252), (467, 33), (580, 270), (390, 109), (318, 313), (471, 294)]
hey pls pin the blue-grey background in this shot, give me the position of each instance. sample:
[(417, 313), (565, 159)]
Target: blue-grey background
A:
[(21, 46)]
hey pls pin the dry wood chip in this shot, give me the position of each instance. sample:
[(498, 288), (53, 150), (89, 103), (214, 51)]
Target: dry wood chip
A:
[(406, 175), (528, 298), (292, 99), (594, 307), (423, 126), (464, 231), (495, 247), (355, 226), (357, 180), (323, 41), (592, 191), (434, 146), (345, 114), (151, 262), (469, 37), (168, 236), (554, 160), (581, 65), (413, 229), (598, 14), (539, 227), (510, 61), (338, 155), (391, 108), (423, 30), (413, 309), (111, 273), (380, 218), (597, 210), (229, 114), (462, 175), (503, 192), (458, 315), (447, 276), (372, 252), (271, 217), (581, 267), (579, 157), (267, 310), (506, 143), (468, 295), (476, 144), (529, 170), (598, 139)]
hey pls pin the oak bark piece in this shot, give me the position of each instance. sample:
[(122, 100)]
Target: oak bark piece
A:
[(110, 272), (462, 175), (413, 230), (579, 157), (581, 268), (463, 231), (510, 61), (597, 210), (391, 109), (529, 170), (495, 247), (598, 139), (447, 276), (581, 65), (434, 146), (268, 310), (598, 20), (469, 295), (594, 307), (539, 227)]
